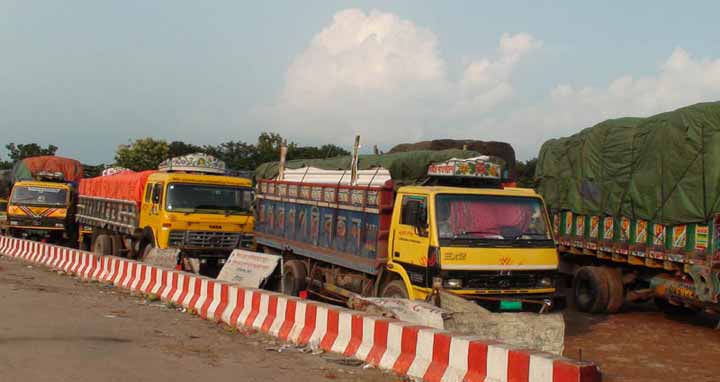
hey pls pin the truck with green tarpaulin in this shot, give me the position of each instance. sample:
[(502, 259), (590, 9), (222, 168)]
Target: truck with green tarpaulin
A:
[(635, 204)]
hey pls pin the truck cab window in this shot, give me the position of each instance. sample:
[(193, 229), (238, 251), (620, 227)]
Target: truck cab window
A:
[(414, 210), (157, 193), (148, 192)]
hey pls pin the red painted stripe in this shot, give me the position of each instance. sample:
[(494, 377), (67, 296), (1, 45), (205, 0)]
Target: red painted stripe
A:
[(408, 349), (203, 311), (289, 321), (165, 282), (272, 313), (380, 337), (143, 275), (440, 358), (333, 329), (567, 371), (477, 362), (518, 366), (356, 335), (310, 322), (238, 308), (127, 282), (195, 293), (152, 282), (185, 290), (224, 292), (254, 309), (173, 285)]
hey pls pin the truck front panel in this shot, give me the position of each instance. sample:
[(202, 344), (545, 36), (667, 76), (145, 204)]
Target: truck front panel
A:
[(41, 206)]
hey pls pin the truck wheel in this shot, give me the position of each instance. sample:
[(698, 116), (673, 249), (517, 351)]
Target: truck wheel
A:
[(145, 251), (394, 289), (616, 289), (294, 275), (591, 290)]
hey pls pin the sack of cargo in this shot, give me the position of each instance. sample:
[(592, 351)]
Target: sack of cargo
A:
[(64, 169), (663, 169), (126, 185)]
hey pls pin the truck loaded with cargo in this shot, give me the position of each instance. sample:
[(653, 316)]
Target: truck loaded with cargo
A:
[(404, 224), (636, 209), (42, 200), (188, 206)]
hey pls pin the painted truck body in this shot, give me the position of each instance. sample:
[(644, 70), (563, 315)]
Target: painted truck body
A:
[(387, 241)]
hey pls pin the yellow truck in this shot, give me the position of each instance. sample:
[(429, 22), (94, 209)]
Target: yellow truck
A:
[(42, 199), (3, 215), (361, 231), (188, 205)]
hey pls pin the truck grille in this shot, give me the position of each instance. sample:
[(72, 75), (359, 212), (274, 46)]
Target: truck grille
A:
[(516, 280), (205, 239)]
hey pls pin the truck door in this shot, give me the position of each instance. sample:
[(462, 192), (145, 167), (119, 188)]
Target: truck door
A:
[(410, 239)]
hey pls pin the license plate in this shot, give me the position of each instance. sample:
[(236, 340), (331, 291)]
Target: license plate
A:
[(510, 305)]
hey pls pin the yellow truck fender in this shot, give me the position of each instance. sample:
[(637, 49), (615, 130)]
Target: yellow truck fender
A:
[(400, 271)]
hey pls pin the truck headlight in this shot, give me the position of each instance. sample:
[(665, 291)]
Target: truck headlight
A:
[(545, 282), (453, 283), (14, 222), (59, 225)]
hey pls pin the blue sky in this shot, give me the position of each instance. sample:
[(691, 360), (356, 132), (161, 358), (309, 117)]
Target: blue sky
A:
[(88, 75)]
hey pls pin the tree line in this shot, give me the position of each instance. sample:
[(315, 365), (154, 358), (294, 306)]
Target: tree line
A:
[(147, 153)]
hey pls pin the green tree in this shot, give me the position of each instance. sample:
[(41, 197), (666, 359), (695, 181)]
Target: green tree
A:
[(26, 150), (237, 155), (313, 152), (142, 154), (525, 172), (179, 148), (91, 171)]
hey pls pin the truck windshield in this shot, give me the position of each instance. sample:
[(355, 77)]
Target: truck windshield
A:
[(41, 196), (485, 217), (204, 198)]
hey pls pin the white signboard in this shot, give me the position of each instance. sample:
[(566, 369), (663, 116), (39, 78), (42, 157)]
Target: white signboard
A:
[(248, 269)]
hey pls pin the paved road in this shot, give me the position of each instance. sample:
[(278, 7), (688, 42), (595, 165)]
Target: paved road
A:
[(56, 328)]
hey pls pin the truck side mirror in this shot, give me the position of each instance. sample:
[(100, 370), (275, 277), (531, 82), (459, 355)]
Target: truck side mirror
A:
[(156, 198)]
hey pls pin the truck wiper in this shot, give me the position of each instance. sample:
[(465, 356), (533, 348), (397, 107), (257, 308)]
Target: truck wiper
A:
[(495, 236)]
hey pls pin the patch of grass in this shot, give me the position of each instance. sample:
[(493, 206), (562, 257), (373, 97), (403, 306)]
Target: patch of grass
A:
[(152, 297)]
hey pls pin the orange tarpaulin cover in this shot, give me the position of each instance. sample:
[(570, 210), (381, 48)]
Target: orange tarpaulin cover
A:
[(71, 169), (126, 185)]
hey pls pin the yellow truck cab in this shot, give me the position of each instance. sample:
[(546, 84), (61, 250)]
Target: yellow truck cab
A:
[(40, 209), (197, 211), (482, 243)]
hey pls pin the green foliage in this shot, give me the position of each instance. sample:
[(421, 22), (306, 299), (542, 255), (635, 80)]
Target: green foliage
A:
[(91, 171), (179, 148), (142, 154), (525, 172), (26, 150)]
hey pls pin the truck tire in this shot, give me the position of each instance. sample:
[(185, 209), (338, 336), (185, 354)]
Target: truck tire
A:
[(394, 289), (591, 290), (616, 289), (102, 245), (294, 274), (144, 251)]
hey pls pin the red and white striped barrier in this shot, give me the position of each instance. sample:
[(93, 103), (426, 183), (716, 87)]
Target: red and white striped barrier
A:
[(415, 351)]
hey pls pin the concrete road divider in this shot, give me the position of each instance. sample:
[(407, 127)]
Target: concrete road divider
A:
[(415, 351)]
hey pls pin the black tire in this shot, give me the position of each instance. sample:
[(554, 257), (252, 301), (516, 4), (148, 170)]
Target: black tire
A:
[(102, 245), (591, 290), (294, 274), (616, 289), (394, 289), (117, 245)]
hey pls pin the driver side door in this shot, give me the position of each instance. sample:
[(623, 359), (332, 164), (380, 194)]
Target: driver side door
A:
[(411, 242)]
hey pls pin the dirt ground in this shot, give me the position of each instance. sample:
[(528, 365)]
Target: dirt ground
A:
[(56, 328), (641, 344)]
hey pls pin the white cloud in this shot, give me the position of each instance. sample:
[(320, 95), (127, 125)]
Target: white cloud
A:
[(381, 76), (680, 81)]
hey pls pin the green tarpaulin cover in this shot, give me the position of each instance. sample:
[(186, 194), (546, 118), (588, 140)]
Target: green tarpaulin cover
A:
[(405, 167), (665, 168)]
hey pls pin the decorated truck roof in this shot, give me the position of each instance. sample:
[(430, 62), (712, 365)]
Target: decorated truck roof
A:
[(403, 167)]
